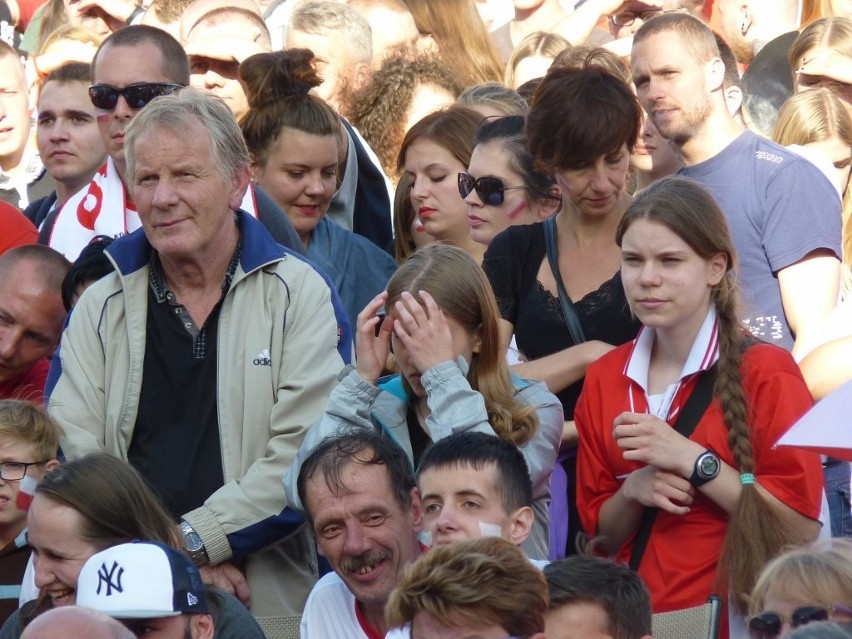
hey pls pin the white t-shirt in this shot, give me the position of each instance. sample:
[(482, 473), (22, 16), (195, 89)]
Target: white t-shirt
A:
[(330, 612)]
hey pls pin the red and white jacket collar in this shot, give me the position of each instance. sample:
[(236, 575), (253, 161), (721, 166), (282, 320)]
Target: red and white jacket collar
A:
[(703, 354)]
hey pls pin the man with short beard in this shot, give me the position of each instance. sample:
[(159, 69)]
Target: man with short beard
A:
[(783, 213), (342, 41), (359, 494)]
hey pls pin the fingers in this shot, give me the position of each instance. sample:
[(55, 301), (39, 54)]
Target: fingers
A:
[(369, 313), (241, 588), (229, 578), (653, 487)]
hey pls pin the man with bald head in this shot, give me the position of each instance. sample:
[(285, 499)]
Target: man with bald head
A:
[(31, 316), (70, 622)]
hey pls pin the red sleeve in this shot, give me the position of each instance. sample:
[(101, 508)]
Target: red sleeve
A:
[(600, 465), (778, 397)]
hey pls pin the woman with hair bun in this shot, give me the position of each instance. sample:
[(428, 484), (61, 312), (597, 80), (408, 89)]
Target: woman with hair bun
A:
[(725, 499), (294, 140)]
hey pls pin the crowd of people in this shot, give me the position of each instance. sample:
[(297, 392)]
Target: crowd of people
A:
[(422, 318)]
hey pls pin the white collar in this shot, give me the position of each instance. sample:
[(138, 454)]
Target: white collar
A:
[(703, 354)]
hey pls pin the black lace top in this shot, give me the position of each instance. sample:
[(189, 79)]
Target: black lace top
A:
[(512, 262)]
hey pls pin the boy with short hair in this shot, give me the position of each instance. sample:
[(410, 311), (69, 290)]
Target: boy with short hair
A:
[(29, 441), (475, 485)]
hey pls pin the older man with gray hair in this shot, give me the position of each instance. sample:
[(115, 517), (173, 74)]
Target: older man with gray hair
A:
[(206, 356)]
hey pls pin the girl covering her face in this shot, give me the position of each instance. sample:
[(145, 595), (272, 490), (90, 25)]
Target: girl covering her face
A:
[(441, 321)]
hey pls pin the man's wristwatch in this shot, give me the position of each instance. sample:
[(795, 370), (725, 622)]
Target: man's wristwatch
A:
[(707, 466), (193, 545)]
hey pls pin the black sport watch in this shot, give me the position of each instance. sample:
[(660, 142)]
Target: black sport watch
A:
[(707, 466)]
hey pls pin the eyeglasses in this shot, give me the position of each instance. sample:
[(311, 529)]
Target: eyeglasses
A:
[(767, 625), (627, 18), (489, 189), (105, 97), (15, 471)]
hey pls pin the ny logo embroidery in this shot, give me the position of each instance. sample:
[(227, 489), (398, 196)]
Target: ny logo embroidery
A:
[(111, 578)]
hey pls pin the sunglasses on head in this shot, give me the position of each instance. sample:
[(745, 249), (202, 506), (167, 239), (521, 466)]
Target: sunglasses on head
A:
[(105, 97), (489, 189), (767, 625)]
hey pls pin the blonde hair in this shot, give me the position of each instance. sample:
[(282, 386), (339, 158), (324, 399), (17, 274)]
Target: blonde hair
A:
[(820, 573), (538, 43), (71, 33), (464, 43), (29, 424), (816, 116), (473, 584), (461, 289), (834, 33)]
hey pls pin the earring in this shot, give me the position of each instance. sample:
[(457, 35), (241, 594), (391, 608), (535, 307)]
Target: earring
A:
[(743, 27)]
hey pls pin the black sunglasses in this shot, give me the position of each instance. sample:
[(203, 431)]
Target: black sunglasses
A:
[(489, 189), (767, 625), (104, 96)]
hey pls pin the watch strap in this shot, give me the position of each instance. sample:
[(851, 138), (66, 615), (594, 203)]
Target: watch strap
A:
[(197, 555), (696, 479)]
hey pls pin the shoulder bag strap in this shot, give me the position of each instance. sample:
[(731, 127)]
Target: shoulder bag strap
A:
[(572, 320), (695, 406)]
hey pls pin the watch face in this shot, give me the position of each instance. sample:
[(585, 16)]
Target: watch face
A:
[(708, 466), (192, 541)]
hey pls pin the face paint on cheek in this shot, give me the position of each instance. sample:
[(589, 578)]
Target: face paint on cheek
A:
[(425, 538), (516, 211), (103, 116), (490, 530)]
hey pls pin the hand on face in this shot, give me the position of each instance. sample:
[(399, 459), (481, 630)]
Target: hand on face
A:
[(648, 439), (827, 63), (120, 10), (423, 331), (372, 349), (657, 488)]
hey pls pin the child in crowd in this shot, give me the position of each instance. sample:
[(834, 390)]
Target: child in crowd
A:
[(29, 441)]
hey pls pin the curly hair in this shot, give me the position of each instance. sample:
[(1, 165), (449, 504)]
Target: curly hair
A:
[(377, 111)]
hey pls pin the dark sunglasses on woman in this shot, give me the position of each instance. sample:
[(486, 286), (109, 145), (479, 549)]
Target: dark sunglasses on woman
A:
[(767, 625), (104, 96), (489, 189)]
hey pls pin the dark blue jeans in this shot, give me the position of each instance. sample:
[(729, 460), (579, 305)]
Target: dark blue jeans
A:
[(837, 474)]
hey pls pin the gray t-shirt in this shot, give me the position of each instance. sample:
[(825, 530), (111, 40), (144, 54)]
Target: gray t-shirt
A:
[(780, 208)]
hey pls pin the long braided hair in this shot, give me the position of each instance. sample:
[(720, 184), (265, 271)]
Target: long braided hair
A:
[(756, 532)]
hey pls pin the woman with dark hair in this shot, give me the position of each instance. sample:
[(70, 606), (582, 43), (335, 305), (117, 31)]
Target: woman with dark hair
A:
[(566, 305), (501, 186), (86, 506), (677, 467)]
